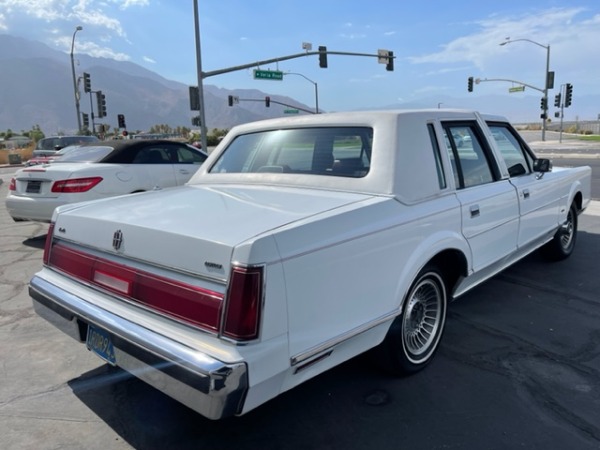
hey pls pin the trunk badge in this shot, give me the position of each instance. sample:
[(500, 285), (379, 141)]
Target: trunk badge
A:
[(117, 240)]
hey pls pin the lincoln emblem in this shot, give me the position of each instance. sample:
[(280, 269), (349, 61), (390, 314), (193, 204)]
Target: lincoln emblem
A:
[(117, 239)]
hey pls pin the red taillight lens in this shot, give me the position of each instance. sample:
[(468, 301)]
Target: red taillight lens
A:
[(75, 185), (12, 186), (244, 299), (48, 244), (193, 304)]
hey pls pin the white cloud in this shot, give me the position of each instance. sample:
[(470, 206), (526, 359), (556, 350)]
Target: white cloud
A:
[(90, 48), (353, 36), (482, 47), (148, 60)]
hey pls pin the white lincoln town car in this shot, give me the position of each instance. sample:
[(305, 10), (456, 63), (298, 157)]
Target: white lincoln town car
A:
[(299, 244)]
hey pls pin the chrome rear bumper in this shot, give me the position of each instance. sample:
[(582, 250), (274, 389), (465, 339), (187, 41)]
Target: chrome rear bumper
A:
[(211, 387)]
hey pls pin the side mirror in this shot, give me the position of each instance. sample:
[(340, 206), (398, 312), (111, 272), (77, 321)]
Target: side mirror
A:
[(542, 165)]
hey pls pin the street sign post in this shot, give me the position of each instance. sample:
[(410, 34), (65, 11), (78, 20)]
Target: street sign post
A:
[(268, 75)]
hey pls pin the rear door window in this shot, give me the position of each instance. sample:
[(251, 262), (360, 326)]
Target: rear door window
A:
[(469, 154)]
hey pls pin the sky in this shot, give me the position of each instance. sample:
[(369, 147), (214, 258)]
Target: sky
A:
[(438, 44)]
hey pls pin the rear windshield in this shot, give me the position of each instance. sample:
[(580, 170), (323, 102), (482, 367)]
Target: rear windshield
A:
[(335, 151), (91, 153)]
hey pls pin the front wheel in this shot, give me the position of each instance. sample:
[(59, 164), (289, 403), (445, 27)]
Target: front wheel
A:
[(413, 338), (562, 244)]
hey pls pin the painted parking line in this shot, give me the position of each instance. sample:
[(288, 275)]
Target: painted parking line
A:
[(593, 208)]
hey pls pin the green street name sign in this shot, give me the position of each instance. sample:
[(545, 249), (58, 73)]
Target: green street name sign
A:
[(268, 75), (291, 111), (516, 89)]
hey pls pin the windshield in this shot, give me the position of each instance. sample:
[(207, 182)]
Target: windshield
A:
[(337, 151), (85, 154)]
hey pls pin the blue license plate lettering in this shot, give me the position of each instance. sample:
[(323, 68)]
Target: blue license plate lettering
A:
[(99, 342)]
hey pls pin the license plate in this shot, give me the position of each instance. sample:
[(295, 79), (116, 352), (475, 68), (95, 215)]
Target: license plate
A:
[(33, 187), (99, 342)]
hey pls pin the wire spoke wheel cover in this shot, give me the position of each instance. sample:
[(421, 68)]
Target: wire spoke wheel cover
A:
[(567, 231), (423, 317)]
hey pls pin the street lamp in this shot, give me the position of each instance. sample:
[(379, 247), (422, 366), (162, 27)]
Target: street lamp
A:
[(546, 78), (75, 90), (316, 89)]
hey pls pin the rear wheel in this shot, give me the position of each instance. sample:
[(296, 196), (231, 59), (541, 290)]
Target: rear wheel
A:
[(415, 334), (562, 244)]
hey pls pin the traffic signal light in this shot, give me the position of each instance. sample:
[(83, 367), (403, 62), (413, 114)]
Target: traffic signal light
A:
[(322, 56), (557, 99), (470, 84), (101, 101), (230, 100), (390, 64), (87, 82), (568, 94), (543, 104), (194, 98), (267, 102), (86, 120), (121, 119)]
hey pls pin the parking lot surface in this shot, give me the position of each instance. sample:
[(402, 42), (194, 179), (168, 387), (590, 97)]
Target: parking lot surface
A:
[(519, 367)]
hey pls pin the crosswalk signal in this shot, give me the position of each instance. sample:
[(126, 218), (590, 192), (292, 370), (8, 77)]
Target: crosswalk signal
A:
[(322, 57), (87, 82), (267, 102), (568, 94), (557, 99), (86, 120), (470, 84), (230, 100)]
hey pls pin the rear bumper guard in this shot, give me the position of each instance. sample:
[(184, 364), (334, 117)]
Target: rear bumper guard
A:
[(208, 386)]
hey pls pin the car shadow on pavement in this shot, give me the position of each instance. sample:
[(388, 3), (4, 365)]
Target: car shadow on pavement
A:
[(36, 241), (146, 418)]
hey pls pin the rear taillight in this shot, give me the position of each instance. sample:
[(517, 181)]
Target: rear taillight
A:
[(195, 305), (12, 186), (189, 303), (243, 304), (75, 185)]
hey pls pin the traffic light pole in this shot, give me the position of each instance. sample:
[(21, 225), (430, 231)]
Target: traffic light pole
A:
[(92, 114), (387, 55), (202, 115), (273, 101)]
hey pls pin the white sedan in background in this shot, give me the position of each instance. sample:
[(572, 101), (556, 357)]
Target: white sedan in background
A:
[(100, 170)]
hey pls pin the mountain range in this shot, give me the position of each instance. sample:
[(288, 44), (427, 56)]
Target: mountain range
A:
[(37, 89)]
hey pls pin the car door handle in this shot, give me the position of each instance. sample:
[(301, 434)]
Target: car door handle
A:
[(474, 210), (525, 193), (184, 171)]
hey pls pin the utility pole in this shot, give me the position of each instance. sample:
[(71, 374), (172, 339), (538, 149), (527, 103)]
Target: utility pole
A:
[(203, 129), (75, 88)]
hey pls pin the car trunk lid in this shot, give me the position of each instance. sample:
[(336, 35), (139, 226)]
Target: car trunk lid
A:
[(191, 228)]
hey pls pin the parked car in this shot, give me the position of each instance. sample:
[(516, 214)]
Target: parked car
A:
[(94, 171), (299, 244), (50, 145)]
